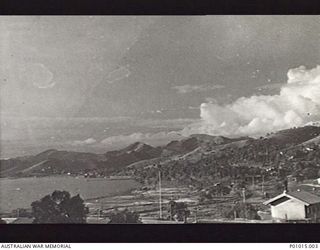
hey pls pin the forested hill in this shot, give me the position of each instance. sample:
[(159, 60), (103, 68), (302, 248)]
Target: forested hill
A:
[(293, 151), (77, 163), (196, 160)]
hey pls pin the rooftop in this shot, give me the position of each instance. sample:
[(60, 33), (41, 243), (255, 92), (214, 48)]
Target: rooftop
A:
[(302, 196), (305, 196)]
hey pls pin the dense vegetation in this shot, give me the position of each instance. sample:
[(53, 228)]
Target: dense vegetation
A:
[(242, 210), (200, 161), (59, 207), (124, 217), (237, 163), (178, 211)]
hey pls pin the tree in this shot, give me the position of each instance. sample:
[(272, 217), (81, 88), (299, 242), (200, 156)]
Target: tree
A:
[(59, 207), (124, 217), (242, 210), (310, 173), (318, 174), (178, 211)]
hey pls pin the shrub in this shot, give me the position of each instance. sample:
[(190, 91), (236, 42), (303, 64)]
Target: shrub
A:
[(242, 210), (59, 207), (124, 217)]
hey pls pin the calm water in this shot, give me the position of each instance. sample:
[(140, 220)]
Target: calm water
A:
[(20, 193)]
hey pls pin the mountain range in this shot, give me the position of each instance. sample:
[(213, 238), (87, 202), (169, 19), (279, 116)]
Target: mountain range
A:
[(195, 158)]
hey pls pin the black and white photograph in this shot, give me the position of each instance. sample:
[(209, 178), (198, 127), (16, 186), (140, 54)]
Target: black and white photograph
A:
[(160, 119)]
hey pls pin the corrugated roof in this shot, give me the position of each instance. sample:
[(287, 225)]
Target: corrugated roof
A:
[(305, 196), (280, 200)]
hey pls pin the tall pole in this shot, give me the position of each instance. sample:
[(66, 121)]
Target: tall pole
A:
[(160, 201), (100, 210), (196, 215), (244, 202), (244, 195), (262, 187)]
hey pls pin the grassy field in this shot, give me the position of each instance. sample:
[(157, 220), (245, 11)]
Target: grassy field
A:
[(102, 196), (147, 204)]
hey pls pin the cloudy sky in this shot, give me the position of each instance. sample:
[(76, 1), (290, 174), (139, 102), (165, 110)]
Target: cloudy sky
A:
[(98, 82)]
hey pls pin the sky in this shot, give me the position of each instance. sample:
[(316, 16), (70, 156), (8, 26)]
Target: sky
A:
[(94, 83)]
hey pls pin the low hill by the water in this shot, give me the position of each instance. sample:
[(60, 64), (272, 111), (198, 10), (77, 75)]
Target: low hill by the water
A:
[(198, 159), (61, 162), (202, 160)]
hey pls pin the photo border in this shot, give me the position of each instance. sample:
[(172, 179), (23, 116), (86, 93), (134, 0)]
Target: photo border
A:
[(259, 233)]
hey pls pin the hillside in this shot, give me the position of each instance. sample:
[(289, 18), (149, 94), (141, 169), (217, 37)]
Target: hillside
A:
[(315, 141), (197, 160), (205, 142), (203, 162), (61, 162), (293, 136)]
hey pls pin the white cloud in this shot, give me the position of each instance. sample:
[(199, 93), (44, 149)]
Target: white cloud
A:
[(297, 104), (48, 86), (272, 86), (193, 107), (39, 75), (118, 74), (184, 89), (159, 138), (88, 141), (170, 124), (211, 100)]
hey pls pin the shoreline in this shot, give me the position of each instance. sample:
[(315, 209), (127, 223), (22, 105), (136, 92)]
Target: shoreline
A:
[(121, 193), (109, 189)]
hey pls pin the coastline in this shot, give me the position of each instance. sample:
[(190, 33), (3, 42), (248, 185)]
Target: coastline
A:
[(21, 192)]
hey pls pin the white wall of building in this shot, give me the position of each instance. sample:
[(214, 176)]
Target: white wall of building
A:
[(290, 209)]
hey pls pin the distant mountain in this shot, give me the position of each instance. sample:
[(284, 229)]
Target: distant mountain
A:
[(293, 136), (139, 150), (192, 158), (201, 159), (212, 139), (66, 155), (51, 162), (317, 124), (133, 153), (195, 141), (315, 140), (56, 162)]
